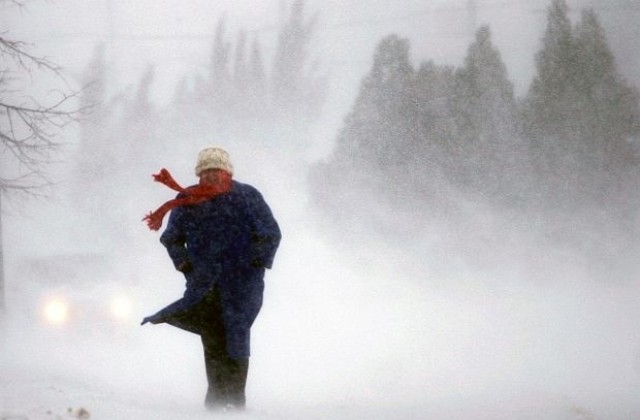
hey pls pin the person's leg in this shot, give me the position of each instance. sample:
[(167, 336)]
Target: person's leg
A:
[(226, 376), (215, 355)]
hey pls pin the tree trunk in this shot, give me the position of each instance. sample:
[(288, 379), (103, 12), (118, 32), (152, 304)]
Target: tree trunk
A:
[(2, 295)]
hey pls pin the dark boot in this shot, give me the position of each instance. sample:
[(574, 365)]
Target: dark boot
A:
[(236, 383), (214, 399)]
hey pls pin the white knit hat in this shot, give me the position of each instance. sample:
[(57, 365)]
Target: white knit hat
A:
[(214, 158)]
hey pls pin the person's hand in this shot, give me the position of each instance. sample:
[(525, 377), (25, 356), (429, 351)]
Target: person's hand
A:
[(185, 267)]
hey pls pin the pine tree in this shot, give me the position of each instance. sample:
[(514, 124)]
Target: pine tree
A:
[(139, 123), (486, 143), (95, 126), (611, 114), (551, 95), (218, 90), (553, 113), (250, 101), (436, 123), (240, 70), (486, 95), (297, 91), (141, 107), (376, 129), (100, 164), (373, 150), (579, 115), (221, 54), (257, 74)]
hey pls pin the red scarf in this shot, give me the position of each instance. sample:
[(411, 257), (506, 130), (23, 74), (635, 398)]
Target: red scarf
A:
[(192, 195)]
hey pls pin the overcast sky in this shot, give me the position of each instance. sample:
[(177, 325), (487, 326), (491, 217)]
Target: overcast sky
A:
[(176, 35)]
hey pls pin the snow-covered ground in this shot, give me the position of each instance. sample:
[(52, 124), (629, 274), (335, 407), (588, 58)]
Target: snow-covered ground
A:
[(348, 342)]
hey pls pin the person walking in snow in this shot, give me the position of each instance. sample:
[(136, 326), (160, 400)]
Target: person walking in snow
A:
[(221, 235)]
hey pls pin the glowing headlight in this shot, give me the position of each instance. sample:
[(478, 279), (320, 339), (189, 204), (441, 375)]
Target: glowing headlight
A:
[(56, 311), (121, 307)]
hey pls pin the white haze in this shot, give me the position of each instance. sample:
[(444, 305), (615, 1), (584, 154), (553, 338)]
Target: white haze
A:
[(350, 333)]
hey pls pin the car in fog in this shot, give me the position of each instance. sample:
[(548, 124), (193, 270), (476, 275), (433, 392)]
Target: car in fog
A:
[(72, 293)]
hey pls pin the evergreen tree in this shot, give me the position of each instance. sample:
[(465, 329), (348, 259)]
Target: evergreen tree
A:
[(183, 93), (100, 162), (486, 141), (257, 75), (242, 96), (294, 84), (436, 123), (433, 155), (141, 107), (551, 97), (221, 53), (95, 153), (552, 117), (240, 70), (250, 99), (139, 124), (374, 147), (377, 129), (218, 90), (578, 115), (611, 114)]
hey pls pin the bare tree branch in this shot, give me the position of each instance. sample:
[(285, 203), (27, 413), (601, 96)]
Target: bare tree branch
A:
[(30, 130), (16, 51)]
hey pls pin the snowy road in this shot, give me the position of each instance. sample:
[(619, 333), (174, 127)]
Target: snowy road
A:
[(348, 341), (52, 395), (466, 363)]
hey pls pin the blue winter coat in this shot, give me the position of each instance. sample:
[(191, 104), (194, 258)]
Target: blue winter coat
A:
[(229, 241)]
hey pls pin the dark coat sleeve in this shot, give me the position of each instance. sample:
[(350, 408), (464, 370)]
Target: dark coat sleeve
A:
[(265, 232), (174, 240)]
